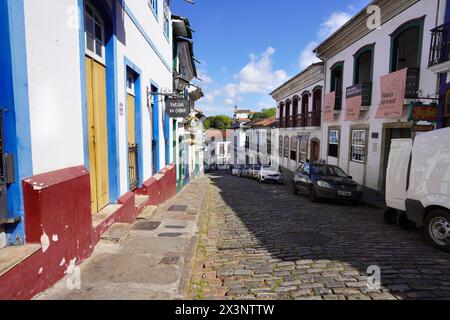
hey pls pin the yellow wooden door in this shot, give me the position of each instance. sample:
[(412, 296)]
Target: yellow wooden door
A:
[(131, 120), (98, 134)]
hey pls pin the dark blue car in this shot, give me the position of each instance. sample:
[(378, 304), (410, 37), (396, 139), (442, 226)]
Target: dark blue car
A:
[(320, 181)]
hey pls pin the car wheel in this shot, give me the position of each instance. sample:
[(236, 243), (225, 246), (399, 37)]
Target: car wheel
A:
[(313, 195), (405, 223), (391, 216), (437, 229)]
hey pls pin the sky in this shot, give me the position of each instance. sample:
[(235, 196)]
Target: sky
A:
[(247, 48)]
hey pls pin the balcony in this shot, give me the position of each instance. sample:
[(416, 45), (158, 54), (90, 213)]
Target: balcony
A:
[(338, 100), (366, 92), (439, 59), (412, 83)]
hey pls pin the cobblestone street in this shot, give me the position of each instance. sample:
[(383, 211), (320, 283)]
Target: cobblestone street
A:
[(259, 241)]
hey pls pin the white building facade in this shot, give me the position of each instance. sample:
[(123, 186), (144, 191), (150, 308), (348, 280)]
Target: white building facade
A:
[(83, 126), (357, 55), (299, 104)]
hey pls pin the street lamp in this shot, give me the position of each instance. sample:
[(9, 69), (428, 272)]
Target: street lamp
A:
[(180, 83)]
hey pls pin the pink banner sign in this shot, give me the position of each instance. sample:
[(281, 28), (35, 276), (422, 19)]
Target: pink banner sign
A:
[(328, 114), (392, 94), (353, 103)]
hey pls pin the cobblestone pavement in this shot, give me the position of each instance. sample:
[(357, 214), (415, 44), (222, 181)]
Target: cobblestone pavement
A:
[(259, 241)]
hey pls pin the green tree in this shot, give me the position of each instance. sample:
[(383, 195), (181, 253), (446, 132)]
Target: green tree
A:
[(265, 114), (221, 122)]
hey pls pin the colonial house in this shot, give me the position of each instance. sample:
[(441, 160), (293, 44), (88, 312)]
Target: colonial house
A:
[(299, 102), (439, 63), (85, 140), (259, 135), (375, 75)]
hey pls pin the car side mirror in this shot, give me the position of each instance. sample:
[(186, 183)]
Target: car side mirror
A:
[(350, 177)]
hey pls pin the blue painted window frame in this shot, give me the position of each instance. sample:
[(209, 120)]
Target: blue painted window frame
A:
[(130, 66), (154, 8)]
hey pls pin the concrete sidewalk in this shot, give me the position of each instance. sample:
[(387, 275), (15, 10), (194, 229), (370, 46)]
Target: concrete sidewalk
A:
[(154, 262)]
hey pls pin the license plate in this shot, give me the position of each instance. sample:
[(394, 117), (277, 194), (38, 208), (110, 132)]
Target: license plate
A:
[(344, 194)]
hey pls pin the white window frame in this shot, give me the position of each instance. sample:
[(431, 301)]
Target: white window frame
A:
[(358, 145), (97, 20)]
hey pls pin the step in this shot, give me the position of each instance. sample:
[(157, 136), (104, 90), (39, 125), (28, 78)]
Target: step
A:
[(148, 213), (118, 232), (104, 214), (14, 255), (139, 200)]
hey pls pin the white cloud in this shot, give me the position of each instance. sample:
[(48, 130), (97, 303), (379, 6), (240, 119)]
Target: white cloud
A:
[(257, 76), (206, 79), (333, 23), (327, 28), (307, 56)]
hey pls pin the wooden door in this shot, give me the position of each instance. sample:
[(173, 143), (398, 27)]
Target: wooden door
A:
[(131, 120), (98, 134)]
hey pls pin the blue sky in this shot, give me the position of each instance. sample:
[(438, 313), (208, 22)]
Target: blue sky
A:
[(249, 47)]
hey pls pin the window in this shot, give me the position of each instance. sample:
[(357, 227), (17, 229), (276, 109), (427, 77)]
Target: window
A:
[(333, 143), (269, 142), (166, 23), (153, 4), (363, 65), (406, 43), (286, 147), (94, 32), (336, 84), (247, 142), (294, 148), (130, 83), (280, 146), (358, 151), (303, 150)]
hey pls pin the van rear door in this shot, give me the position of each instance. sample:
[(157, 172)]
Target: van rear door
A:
[(397, 173)]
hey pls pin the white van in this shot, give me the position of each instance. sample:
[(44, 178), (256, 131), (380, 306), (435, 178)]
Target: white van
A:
[(418, 185)]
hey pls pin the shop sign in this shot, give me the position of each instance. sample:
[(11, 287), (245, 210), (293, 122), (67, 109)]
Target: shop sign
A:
[(393, 88), (353, 102), (330, 100), (423, 113), (178, 108), (422, 128)]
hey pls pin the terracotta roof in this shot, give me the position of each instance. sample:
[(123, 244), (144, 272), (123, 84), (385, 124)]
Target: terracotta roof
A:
[(262, 123)]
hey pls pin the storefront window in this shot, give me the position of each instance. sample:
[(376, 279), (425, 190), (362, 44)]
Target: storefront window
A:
[(303, 151), (286, 147), (358, 152), (333, 143), (294, 148)]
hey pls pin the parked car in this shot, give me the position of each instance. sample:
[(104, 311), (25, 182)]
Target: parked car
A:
[(326, 181), (418, 185), (236, 171), (267, 173), (247, 171), (254, 171)]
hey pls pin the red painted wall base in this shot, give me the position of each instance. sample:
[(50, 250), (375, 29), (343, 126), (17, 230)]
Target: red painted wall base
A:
[(58, 215)]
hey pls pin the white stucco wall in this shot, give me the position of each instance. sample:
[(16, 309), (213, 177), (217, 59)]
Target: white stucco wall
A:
[(369, 173), (54, 79), (53, 59), (140, 53)]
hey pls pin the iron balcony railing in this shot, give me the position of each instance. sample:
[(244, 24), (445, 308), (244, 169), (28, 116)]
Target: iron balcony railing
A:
[(133, 168), (338, 100), (366, 94), (440, 45), (412, 83)]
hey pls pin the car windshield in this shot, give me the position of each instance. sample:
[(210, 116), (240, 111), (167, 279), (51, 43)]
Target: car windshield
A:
[(257, 167), (266, 167), (325, 170)]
